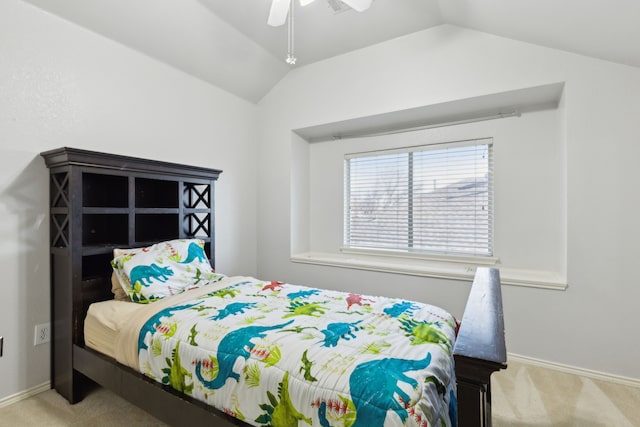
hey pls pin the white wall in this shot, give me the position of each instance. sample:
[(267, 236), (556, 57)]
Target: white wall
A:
[(590, 325), (529, 186), (61, 85)]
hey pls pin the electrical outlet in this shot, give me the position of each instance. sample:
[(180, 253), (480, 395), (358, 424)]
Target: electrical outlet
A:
[(42, 334)]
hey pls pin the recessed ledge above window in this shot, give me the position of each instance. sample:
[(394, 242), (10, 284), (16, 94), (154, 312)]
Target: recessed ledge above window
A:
[(436, 267), (437, 115)]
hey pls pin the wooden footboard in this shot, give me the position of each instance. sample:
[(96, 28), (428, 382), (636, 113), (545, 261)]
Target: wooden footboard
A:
[(480, 348)]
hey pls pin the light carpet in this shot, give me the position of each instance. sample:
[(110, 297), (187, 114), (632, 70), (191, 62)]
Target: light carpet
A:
[(526, 395), (523, 396)]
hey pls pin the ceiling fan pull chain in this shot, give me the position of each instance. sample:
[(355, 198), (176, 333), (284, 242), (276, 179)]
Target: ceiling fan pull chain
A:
[(291, 58)]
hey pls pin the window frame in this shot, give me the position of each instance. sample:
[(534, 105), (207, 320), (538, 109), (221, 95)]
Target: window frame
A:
[(410, 252)]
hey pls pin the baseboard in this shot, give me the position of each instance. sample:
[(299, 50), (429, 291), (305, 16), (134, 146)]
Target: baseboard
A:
[(25, 394), (596, 375)]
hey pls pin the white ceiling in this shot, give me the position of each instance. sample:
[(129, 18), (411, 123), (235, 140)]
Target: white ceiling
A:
[(229, 44), (320, 32)]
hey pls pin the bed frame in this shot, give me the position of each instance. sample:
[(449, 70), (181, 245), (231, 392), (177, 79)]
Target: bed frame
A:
[(101, 201)]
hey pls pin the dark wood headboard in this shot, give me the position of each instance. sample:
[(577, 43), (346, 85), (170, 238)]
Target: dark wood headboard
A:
[(99, 202)]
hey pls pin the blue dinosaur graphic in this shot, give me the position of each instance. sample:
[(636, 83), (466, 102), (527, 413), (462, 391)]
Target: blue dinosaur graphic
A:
[(150, 325), (374, 385), (338, 330), (399, 308), (453, 408), (303, 294), (146, 273), (322, 415), (233, 309), (194, 251), (233, 345)]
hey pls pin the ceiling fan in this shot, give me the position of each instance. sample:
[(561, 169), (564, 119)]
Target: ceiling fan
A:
[(280, 9)]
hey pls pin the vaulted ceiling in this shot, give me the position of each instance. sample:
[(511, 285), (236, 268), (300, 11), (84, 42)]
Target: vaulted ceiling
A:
[(229, 44)]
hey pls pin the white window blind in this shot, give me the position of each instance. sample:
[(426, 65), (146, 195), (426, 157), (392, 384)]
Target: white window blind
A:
[(432, 199)]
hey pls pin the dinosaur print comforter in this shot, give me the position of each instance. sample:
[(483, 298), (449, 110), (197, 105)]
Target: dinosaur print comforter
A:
[(276, 354)]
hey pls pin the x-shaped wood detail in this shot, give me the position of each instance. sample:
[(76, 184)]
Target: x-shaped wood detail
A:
[(200, 196), (202, 224), (60, 192), (60, 231)]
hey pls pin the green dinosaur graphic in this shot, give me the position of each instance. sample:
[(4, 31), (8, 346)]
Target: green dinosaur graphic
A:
[(222, 293), (298, 329), (375, 347), (192, 336), (269, 354), (252, 375), (175, 374), (250, 320), (306, 368), (281, 413), (138, 297), (300, 308), (235, 412), (198, 277), (166, 330), (424, 332), (440, 388)]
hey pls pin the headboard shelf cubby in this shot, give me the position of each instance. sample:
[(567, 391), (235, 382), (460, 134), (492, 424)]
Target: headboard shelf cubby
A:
[(99, 202)]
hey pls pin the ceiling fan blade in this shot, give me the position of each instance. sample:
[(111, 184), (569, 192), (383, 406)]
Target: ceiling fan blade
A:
[(278, 13), (358, 5)]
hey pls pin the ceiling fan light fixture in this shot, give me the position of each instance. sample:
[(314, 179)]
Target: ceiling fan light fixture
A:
[(358, 5), (291, 57), (291, 60), (283, 9), (280, 9), (278, 12)]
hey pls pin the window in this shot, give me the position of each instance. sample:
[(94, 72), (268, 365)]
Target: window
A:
[(426, 199)]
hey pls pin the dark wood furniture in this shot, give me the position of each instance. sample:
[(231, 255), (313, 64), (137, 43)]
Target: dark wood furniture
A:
[(102, 201), (480, 348)]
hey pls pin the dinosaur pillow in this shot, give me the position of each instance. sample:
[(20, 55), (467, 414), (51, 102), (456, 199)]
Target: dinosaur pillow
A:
[(164, 269)]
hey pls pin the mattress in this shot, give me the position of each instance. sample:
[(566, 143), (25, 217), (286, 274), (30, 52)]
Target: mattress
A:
[(271, 353), (104, 322)]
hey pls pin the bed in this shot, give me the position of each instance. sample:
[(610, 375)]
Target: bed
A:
[(102, 205)]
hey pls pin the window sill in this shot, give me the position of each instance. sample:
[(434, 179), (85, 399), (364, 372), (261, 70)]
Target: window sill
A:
[(435, 269)]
